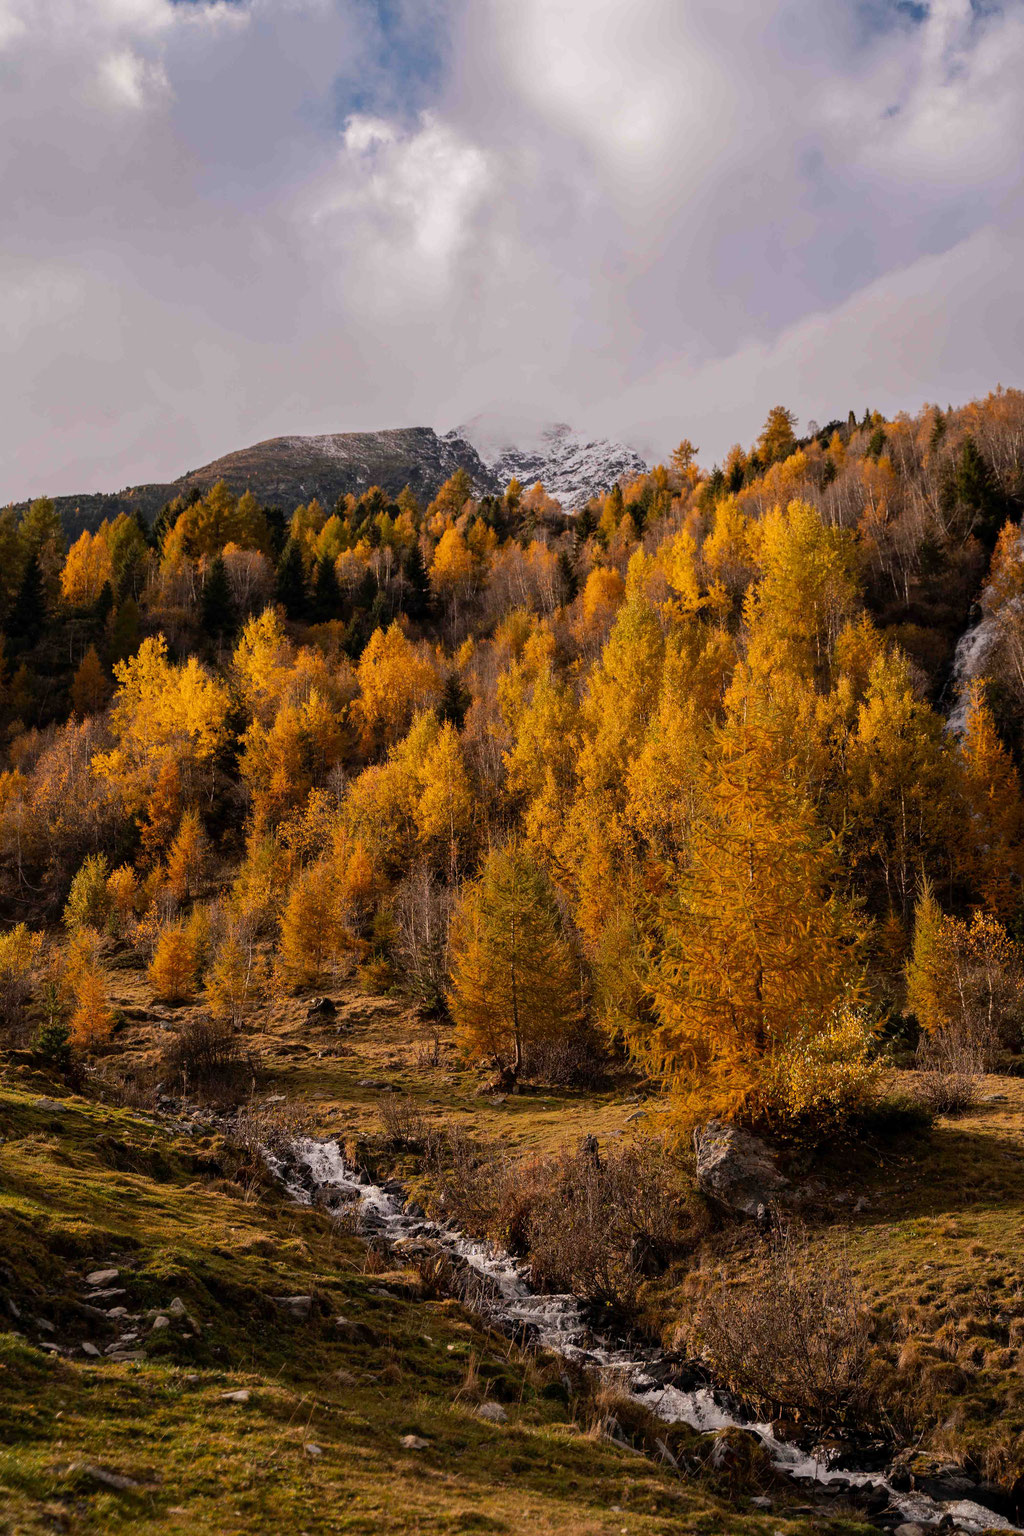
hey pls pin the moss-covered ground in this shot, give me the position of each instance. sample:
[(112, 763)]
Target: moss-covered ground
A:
[(98, 1443)]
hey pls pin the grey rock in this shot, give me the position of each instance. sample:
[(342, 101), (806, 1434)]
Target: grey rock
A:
[(160, 1322), (48, 1104), (415, 1443), (121, 1355), (100, 1277), (298, 1307), (242, 1395), (102, 1477), (313, 1450), (492, 1413), (910, 1528), (177, 1308), (736, 1171), (90, 1350)]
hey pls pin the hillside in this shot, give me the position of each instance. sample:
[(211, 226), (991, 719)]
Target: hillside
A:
[(639, 891)]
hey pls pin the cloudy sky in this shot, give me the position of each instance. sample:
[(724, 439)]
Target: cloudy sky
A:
[(222, 222)]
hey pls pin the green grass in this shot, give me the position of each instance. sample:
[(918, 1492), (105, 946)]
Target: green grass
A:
[(92, 1186)]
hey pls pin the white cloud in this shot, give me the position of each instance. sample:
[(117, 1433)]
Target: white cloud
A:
[(228, 220)]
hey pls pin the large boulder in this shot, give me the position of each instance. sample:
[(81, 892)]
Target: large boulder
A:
[(736, 1171)]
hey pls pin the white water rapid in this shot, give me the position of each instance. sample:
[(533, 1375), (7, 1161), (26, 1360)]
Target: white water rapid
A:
[(315, 1173)]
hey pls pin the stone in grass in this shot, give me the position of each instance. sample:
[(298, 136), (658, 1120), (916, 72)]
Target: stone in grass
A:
[(102, 1276), (102, 1477), (298, 1307), (241, 1396), (313, 1451), (415, 1443), (90, 1350), (492, 1413), (160, 1321)]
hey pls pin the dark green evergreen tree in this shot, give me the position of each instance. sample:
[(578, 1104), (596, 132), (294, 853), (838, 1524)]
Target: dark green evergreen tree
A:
[(568, 577), (583, 528), (291, 581), (416, 597), (218, 609), (103, 604), (326, 600), (454, 701), (28, 612)]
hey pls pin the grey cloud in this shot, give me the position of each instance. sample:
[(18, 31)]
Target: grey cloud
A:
[(647, 216)]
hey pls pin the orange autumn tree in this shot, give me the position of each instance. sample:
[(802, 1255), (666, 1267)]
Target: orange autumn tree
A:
[(514, 980), (754, 976)]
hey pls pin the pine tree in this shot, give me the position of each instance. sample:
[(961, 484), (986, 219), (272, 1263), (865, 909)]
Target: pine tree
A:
[(28, 613), (218, 612), (291, 581), (514, 978), (416, 600), (326, 599)]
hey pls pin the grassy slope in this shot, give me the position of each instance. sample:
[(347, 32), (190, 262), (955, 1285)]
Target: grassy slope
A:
[(86, 1186)]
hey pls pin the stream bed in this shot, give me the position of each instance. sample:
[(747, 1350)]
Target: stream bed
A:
[(314, 1172)]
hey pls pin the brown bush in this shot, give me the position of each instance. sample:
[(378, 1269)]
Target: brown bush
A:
[(208, 1058), (796, 1336), (595, 1226), (402, 1122)]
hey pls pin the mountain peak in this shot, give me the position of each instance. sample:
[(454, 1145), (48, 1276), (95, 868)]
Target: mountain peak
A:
[(571, 466)]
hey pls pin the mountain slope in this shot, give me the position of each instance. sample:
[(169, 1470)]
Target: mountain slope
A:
[(284, 471)]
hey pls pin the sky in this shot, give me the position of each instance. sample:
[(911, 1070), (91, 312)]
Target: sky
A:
[(221, 222)]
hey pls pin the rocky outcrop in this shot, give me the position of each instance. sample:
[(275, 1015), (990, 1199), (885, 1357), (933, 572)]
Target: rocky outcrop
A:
[(736, 1171)]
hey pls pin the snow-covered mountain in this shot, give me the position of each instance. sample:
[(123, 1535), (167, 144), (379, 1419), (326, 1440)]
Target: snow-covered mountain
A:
[(570, 466), (284, 471)]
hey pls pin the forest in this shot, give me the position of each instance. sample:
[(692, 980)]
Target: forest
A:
[(688, 781)]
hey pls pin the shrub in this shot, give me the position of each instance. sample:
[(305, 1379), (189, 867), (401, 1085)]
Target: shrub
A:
[(207, 1056), (819, 1080), (796, 1335), (402, 1122), (52, 1045)]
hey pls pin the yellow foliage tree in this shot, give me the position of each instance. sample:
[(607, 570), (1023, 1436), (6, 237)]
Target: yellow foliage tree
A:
[(515, 982), (90, 688), (311, 927), (755, 966), (187, 858), (395, 680)]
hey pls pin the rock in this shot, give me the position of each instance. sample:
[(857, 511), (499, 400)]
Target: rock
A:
[(415, 1443), (492, 1413), (741, 1454), (275, 1098), (121, 1355), (241, 1396), (355, 1333), (91, 1350), (48, 1104), (910, 1528), (100, 1277), (102, 1477), (761, 1501), (322, 1008), (177, 1309), (298, 1307), (160, 1322), (736, 1171)]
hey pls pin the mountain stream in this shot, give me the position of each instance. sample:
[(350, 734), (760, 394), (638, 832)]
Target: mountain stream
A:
[(314, 1172)]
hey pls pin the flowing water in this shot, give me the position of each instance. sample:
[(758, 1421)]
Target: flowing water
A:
[(314, 1172)]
